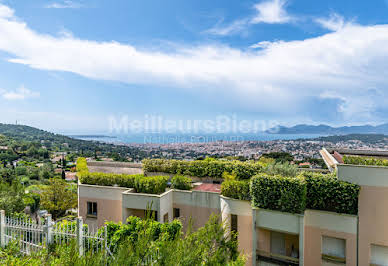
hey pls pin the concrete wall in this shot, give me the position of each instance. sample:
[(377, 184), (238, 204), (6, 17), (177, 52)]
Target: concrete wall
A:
[(373, 220), (196, 206), (321, 223), (366, 175), (243, 210), (108, 203)]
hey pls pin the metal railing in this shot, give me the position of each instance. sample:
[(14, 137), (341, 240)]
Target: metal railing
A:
[(32, 237)]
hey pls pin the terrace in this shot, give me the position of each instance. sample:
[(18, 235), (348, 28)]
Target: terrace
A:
[(363, 167)]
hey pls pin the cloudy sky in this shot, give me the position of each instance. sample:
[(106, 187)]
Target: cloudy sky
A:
[(68, 66)]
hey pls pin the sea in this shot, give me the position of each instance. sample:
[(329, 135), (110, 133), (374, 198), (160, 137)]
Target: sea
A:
[(164, 138)]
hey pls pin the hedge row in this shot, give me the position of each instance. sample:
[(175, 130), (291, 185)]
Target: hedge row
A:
[(360, 160), (108, 179), (279, 193), (202, 168), (308, 190), (331, 194), (236, 189), (151, 184), (181, 182)]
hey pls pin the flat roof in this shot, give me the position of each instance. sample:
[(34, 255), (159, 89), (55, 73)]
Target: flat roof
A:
[(208, 187)]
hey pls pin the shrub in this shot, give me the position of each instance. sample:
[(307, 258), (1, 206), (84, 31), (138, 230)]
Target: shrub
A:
[(236, 189), (331, 194), (107, 179), (283, 169), (203, 168), (360, 160), (82, 165), (278, 193), (181, 182), (151, 184)]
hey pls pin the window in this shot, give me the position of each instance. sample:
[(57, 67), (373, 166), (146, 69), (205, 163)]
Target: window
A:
[(233, 223), (333, 249), (379, 255), (177, 213), (92, 208)]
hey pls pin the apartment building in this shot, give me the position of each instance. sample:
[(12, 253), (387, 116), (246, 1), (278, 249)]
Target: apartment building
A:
[(268, 237)]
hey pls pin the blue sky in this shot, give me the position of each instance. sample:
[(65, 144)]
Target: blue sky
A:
[(68, 66)]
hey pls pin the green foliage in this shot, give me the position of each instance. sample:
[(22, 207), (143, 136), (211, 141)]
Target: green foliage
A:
[(108, 179), (181, 182), (82, 165), (279, 193), (236, 189), (283, 169), (331, 194), (58, 197), (203, 168), (279, 157), (12, 197), (360, 160), (151, 184)]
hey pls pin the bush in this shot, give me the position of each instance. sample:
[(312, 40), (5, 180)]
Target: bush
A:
[(283, 169), (82, 165), (360, 160), (203, 168), (151, 184), (278, 193), (107, 179), (181, 182), (331, 194), (236, 189)]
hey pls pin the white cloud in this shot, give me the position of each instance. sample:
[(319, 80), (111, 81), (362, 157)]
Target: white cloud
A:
[(334, 23), (268, 11), (19, 94), (5, 11), (271, 12), (283, 77), (64, 4)]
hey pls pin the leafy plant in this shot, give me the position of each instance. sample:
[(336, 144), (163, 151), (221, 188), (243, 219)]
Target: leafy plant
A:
[(151, 184), (279, 193), (361, 160), (181, 182), (236, 189)]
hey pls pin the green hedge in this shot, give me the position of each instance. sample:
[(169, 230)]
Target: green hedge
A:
[(331, 194), (202, 168), (236, 189), (108, 179), (360, 160), (279, 193), (181, 182), (151, 184), (309, 190), (82, 165)]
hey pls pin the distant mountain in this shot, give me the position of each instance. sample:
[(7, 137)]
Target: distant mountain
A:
[(328, 130)]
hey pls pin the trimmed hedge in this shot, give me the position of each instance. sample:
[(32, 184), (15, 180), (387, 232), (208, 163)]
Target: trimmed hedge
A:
[(202, 168), (108, 179), (309, 190), (181, 182), (360, 160), (151, 184), (279, 193), (236, 189), (331, 194)]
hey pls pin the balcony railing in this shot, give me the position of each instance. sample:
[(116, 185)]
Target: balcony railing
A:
[(276, 258)]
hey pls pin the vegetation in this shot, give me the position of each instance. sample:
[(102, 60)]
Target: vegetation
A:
[(361, 160), (151, 184), (143, 242), (203, 168), (236, 189), (181, 182), (279, 193), (279, 157), (58, 197), (331, 194)]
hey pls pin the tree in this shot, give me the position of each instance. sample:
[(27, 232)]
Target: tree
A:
[(12, 197), (58, 197)]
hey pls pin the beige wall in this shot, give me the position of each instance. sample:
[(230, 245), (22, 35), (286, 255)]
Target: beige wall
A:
[(107, 210), (198, 215), (373, 220), (313, 245)]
